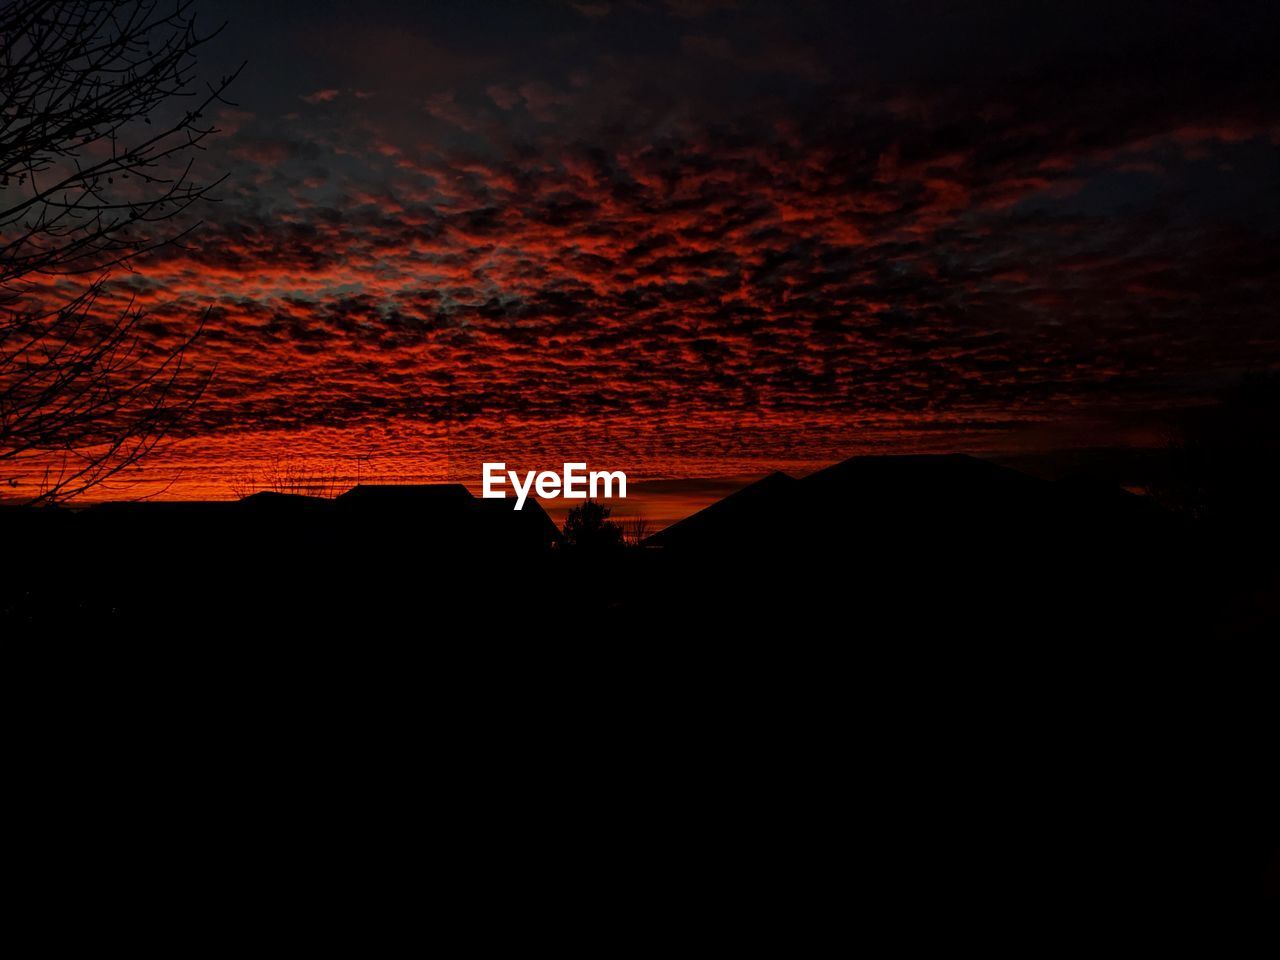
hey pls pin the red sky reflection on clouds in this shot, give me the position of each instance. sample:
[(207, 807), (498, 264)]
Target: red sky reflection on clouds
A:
[(701, 261)]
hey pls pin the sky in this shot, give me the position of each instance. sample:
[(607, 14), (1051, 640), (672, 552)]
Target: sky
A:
[(695, 240)]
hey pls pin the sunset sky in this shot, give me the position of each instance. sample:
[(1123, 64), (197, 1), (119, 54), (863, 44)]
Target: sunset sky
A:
[(699, 239)]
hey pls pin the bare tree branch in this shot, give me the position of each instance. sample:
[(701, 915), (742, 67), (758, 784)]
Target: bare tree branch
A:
[(100, 114)]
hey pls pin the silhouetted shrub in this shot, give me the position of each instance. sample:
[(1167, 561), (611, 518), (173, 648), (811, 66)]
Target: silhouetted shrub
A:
[(1223, 463), (589, 529)]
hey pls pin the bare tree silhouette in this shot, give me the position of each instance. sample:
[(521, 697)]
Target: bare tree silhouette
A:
[(636, 529), (291, 475), (100, 115)]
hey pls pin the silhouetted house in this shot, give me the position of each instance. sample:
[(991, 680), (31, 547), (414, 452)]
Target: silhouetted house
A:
[(894, 504), (759, 516), (267, 503), (446, 516), (526, 529), (163, 528), (392, 525), (895, 497), (443, 506), (917, 544)]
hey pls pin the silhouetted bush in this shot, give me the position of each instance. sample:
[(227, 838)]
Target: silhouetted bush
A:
[(589, 529), (1223, 462)]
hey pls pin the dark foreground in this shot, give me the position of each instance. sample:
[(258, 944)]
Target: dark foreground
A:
[(935, 695), (913, 548)]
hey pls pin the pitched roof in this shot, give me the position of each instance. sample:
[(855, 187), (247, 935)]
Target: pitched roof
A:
[(755, 510), (888, 498), (406, 492)]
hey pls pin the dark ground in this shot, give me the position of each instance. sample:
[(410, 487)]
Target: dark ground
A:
[(1010, 711)]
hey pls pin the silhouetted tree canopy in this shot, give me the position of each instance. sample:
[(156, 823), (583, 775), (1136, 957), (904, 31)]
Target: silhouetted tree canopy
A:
[(588, 528), (100, 116), (1223, 463)]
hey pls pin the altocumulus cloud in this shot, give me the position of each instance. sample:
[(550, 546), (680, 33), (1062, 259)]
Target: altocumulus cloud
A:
[(685, 237)]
